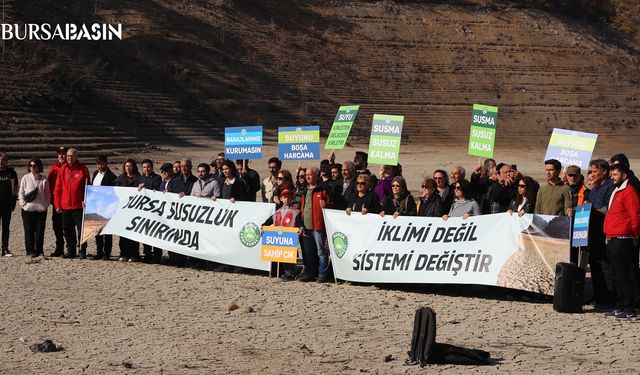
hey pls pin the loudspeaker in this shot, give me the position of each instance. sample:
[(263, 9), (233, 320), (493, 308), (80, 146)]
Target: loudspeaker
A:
[(569, 288)]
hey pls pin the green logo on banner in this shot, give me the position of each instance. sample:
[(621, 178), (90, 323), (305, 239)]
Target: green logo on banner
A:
[(340, 243), (341, 127), (250, 234), (384, 144), (483, 130)]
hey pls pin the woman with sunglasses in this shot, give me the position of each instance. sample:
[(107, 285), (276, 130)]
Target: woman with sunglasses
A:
[(34, 197), (284, 181), (525, 200), (365, 200), (464, 205), (400, 202), (301, 185), (430, 203)]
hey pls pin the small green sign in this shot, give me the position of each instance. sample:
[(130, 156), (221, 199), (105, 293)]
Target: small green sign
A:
[(483, 130), (384, 144), (341, 127)]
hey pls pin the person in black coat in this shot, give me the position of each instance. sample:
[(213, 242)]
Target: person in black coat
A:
[(365, 200), (103, 176), (525, 200), (430, 203), (152, 181), (400, 202), (250, 177), (234, 187), (129, 249)]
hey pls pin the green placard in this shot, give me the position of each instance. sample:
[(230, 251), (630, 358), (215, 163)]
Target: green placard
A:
[(483, 130), (341, 127), (384, 144)]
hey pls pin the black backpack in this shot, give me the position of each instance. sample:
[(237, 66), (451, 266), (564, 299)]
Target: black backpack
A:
[(425, 350), (424, 336)]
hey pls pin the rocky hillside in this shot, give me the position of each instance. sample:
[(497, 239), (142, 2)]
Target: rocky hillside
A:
[(186, 69)]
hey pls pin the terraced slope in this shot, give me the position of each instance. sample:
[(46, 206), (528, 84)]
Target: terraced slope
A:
[(187, 69)]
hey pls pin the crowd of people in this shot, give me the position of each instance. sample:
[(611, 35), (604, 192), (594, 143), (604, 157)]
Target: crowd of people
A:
[(610, 186)]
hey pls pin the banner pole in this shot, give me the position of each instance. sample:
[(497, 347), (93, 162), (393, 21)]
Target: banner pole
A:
[(278, 270)]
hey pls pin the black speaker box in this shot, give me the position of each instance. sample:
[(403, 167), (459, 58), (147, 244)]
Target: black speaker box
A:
[(568, 288)]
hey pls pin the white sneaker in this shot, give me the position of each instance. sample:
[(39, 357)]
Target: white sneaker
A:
[(7, 254), (123, 259)]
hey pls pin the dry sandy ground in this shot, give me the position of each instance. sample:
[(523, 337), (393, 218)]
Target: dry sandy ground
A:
[(163, 320)]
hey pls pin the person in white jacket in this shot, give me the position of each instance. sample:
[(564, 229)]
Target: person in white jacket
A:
[(34, 197)]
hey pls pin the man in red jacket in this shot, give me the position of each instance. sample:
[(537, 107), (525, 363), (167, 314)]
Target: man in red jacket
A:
[(68, 199), (622, 228), (56, 218), (314, 256)]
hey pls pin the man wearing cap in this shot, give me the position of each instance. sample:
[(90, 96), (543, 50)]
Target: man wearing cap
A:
[(68, 198), (8, 198), (622, 229), (103, 176), (269, 183), (554, 197), (171, 183), (56, 218), (579, 191)]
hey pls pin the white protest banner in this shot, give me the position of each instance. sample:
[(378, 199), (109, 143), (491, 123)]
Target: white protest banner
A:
[(218, 231), (500, 249)]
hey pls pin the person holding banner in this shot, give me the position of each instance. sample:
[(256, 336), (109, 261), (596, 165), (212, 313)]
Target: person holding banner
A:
[(129, 249), (187, 177), (444, 189), (464, 205), (152, 181), (171, 183), (525, 200), (287, 216), (430, 203), (234, 187), (103, 176), (400, 202), (206, 186), (365, 200), (314, 199), (622, 229), (34, 197)]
